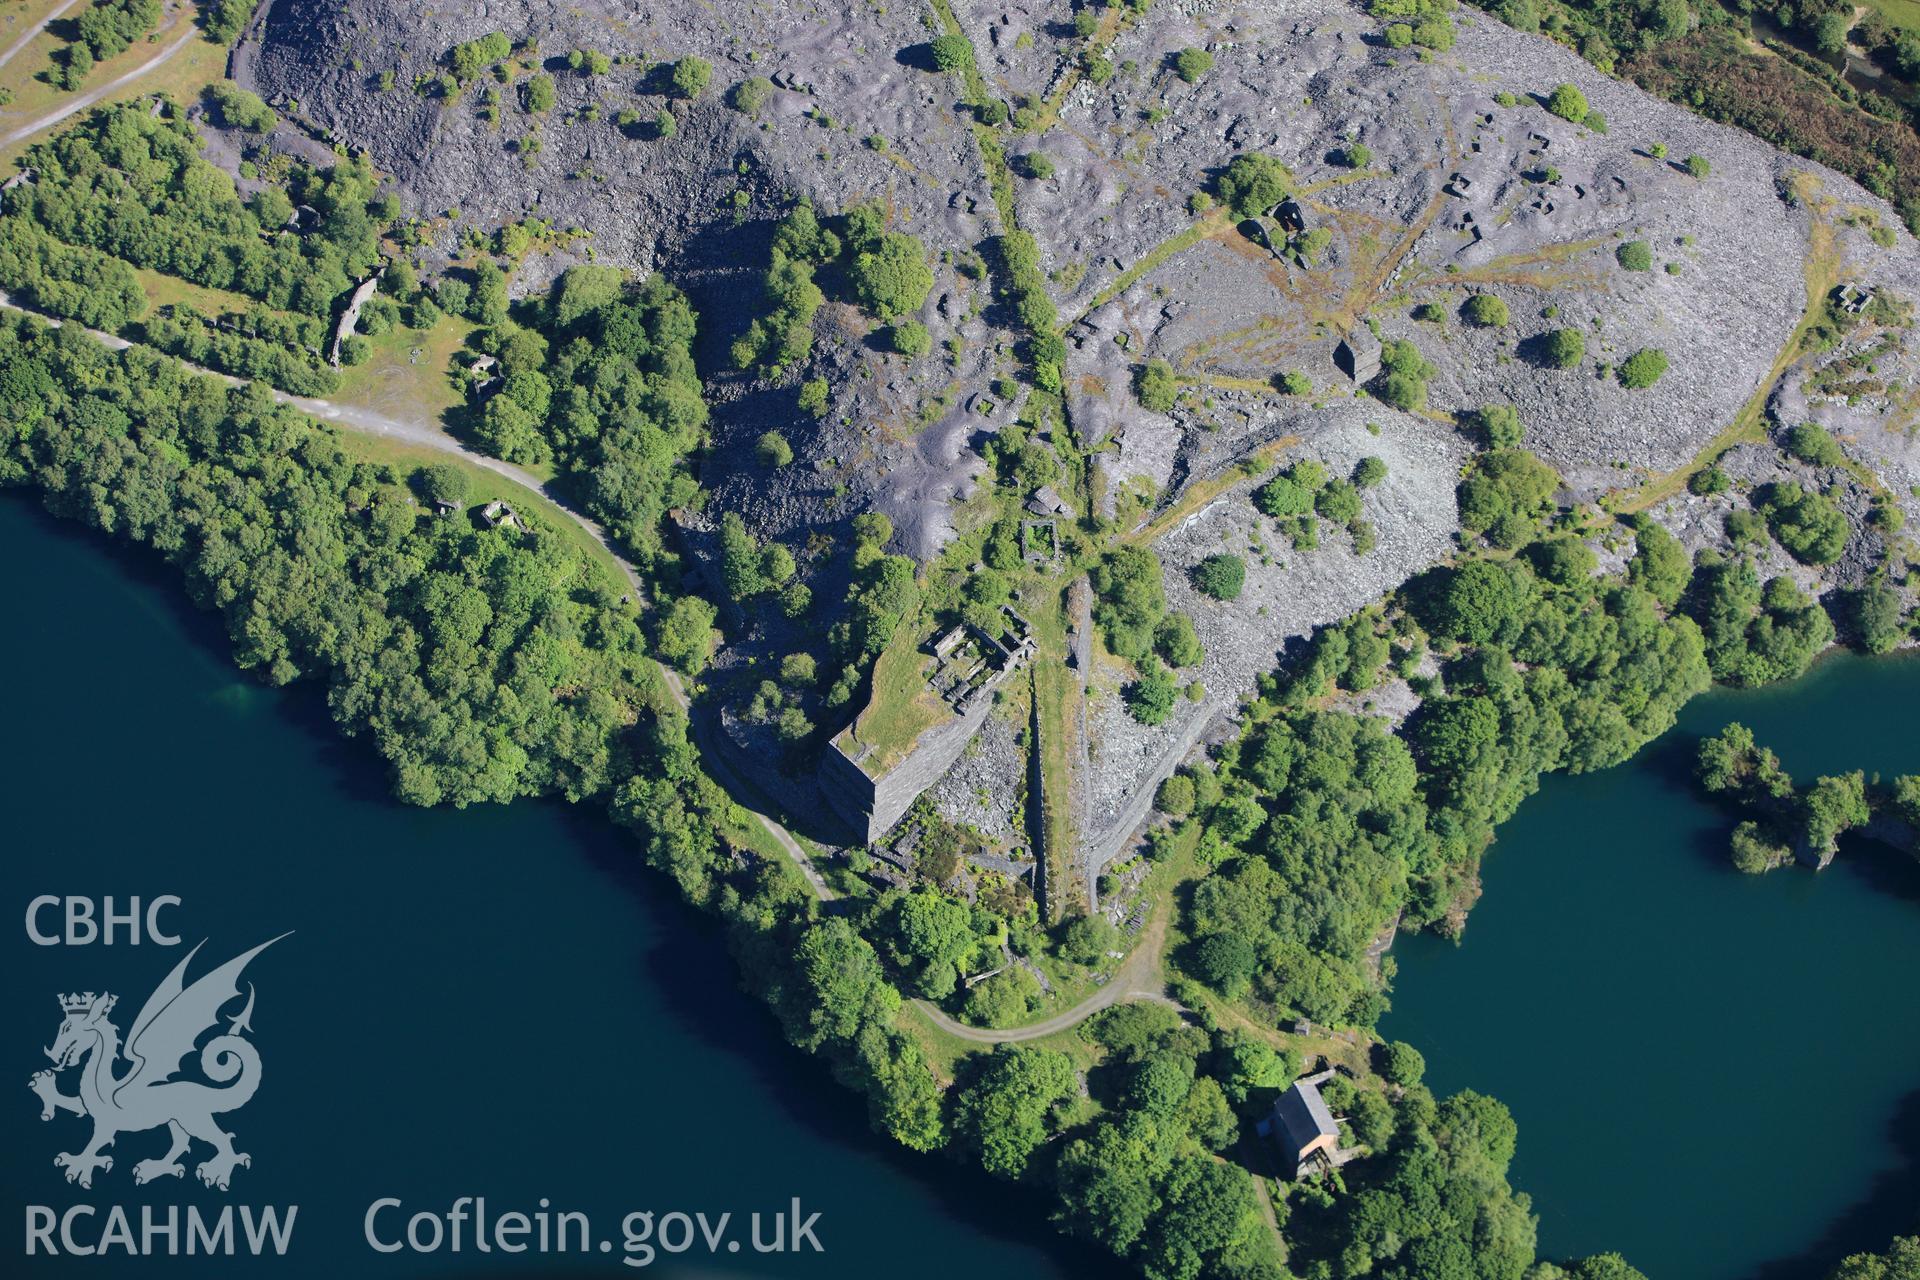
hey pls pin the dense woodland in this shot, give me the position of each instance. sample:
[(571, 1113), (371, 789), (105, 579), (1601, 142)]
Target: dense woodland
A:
[(1782, 822), (484, 665), (133, 184), (125, 186), (1323, 827), (598, 377)]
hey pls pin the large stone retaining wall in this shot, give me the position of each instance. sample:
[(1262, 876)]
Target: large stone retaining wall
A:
[(873, 805)]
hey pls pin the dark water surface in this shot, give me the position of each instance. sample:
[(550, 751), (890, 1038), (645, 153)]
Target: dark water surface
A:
[(492, 1003), (1716, 1075)]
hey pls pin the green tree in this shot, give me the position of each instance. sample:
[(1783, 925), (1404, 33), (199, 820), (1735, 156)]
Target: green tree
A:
[(1226, 962), (1564, 348), (589, 62), (1154, 385), (1634, 255), (891, 278), (1130, 599), (1034, 165), (1478, 602), (1499, 426), (443, 482), (1150, 698), (1207, 1208), (773, 450), (1191, 64), (1878, 617), (1176, 641), (1401, 1063), (952, 53), (1282, 497), (469, 59), (813, 396), (1012, 1104), (751, 94), (684, 635), (1807, 524), (1253, 183), (1659, 564), (1505, 494), (689, 76), (1485, 311), (909, 338), (1813, 445), (1567, 102), (1221, 576), (1643, 368), (1175, 796), (839, 987), (1087, 939)]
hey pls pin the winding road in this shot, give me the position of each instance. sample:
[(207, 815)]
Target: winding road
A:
[(92, 96), (26, 37), (1136, 979)]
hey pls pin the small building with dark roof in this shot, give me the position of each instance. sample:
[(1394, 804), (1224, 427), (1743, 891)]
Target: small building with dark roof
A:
[(1046, 502), (1303, 1127)]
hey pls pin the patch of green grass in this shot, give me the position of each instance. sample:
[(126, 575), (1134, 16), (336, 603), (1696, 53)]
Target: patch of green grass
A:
[(191, 69), (1904, 14), (393, 381), (165, 290), (901, 708)]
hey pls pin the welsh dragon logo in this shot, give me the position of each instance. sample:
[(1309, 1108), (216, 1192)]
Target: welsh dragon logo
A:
[(146, 1095)]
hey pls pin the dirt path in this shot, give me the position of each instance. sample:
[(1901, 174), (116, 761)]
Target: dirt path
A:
[(92, 96), (26, 37), (1137, 979)]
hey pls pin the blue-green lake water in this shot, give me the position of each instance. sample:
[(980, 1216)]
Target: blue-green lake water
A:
[(492, 1003), (1716, 1075)]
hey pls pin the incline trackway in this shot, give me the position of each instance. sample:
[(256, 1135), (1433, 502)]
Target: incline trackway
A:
[(1138, 978)]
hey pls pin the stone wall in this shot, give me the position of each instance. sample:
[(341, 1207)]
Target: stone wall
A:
[(874, 805)]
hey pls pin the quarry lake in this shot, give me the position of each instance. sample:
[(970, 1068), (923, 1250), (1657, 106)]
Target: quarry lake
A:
[(492, 1003), (1716, 1075)]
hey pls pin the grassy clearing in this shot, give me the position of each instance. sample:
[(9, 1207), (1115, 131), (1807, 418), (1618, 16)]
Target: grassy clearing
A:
[(1904, 14), (197, 64), (901, 708), (36, 54), (1056, 692), (399, 383), (165, 290)]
